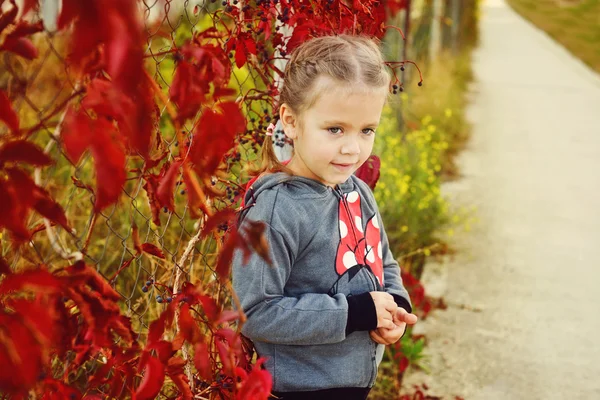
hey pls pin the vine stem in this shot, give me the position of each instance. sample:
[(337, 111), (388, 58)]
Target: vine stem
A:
[(178, 271)]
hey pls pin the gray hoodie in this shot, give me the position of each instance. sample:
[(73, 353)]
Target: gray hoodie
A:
[(309, 314)]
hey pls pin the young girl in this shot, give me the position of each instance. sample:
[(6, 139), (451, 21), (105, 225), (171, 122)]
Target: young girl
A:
[(332, 296)]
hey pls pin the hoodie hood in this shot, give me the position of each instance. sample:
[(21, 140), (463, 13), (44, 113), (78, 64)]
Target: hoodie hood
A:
[(296, 184)]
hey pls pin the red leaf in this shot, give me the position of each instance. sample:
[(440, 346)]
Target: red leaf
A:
[(201, 66), (13, 212), (250, 45), (34, 196), (257, 384), (135, 118), (152, 382), (210, 306), (166, 187), (225, 356), (188, 326), (29, 5), (240, 54), (109, 162), (202, 361), (175, 372), (135, 236), (157, 327), (7, 18), (25, 28), (38, 281), (214, 136), (4, 267), (194, 196), (187, 91), (20, 46), (24, 151), (79, 273), (76, 132), (227, 315), (369, 171), (20, 355), (151, 187), (152, 249), (255, 235), (7, 113), (226, 254), (218, 218)]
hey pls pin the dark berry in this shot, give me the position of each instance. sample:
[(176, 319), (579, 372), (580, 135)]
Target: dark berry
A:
[(401, 89), (149, 282), (182, 192), (159, 299), (402, 68), (145, 289), (169, 299), (165, 209), (229, 9), (224, 3), (395, 87), (420, 83)]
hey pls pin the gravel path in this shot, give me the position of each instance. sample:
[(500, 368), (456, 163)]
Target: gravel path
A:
[(529, 271)]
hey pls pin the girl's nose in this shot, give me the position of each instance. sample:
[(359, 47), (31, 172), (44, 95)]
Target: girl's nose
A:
[(350, 146)]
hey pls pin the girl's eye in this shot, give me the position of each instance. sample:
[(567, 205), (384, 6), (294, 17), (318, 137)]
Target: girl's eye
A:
[(369, 132)]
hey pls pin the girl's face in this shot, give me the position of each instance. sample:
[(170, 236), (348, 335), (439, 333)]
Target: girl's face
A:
[(335, 136)]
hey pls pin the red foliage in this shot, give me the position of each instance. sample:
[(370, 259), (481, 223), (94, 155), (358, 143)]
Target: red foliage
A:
[(50, 314), (369, 171), (20, 195), (7, 113), (152, 382), (255, 385)]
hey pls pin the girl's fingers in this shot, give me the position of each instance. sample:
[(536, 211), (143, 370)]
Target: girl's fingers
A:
[(405, 316), (387, 324), (377, 337)]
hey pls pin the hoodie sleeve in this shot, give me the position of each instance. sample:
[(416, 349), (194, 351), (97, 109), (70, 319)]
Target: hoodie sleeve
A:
[(392, 281), (272, 317)]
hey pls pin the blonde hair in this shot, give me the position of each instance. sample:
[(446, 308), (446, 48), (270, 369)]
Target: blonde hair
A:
[(353, 60)]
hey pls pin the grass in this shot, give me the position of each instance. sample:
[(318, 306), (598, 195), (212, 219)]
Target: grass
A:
[(574, 24)]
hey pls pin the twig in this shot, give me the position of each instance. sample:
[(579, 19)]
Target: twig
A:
[(182, 260)]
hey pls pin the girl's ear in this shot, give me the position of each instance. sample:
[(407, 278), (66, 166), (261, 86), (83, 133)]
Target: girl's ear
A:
[(289, 121)]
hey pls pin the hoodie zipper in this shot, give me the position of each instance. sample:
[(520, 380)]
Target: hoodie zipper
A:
[(338, 192)]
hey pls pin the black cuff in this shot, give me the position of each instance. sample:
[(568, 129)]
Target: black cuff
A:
[(402, 302), (362, 315)]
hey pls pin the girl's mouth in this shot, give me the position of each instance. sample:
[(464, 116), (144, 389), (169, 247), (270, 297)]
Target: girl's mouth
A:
[(343, 166)]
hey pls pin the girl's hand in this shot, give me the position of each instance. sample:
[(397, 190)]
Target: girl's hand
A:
[(386, 307), (389, 336)]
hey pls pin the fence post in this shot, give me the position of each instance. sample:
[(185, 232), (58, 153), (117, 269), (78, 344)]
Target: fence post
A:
[(456, 17), (436, 33)]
